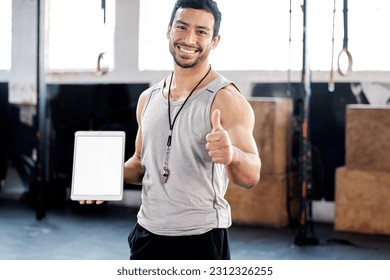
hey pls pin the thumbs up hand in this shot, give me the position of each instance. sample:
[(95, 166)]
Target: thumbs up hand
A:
[(218, 141)]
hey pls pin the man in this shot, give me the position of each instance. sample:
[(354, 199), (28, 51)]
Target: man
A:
[(195, 133)]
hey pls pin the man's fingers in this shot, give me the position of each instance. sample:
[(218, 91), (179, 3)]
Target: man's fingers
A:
[(216, 120), (91, 201), (217, 146), (216, 136)]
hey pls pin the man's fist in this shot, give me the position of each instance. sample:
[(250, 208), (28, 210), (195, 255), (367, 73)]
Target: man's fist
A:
[(218, 141)]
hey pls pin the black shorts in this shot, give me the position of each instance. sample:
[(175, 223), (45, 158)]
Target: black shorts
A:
[(212, 245)]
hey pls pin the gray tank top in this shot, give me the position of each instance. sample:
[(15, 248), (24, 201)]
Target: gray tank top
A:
[(192, 201)]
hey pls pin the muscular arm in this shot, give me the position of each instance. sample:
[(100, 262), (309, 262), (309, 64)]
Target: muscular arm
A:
[(231, 141), (133, 171)]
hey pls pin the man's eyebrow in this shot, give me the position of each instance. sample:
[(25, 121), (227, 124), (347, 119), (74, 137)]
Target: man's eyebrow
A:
[(187, 24), (182, 22)]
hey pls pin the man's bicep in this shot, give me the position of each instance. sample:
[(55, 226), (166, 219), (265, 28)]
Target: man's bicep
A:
[(242, 137), (241, 130), (237, 118)]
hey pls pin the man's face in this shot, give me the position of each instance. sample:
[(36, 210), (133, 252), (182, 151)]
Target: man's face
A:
[(191, 37)]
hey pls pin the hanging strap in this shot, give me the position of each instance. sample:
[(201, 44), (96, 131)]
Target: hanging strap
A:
[(345, 44)]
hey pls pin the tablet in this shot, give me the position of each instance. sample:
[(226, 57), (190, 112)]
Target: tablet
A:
[(98, 163)]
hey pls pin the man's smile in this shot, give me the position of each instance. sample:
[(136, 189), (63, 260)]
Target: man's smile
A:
[(187, 50)]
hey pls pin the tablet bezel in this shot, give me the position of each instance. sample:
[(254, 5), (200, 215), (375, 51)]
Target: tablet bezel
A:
[(78, 196)]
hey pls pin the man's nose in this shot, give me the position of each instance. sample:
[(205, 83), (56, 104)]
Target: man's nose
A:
[(190, 38)]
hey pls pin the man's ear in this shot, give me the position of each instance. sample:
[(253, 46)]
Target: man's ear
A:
[(169, 32), (215, 41)]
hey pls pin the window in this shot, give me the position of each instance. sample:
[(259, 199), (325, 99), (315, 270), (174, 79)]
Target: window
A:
[(77, 34), (255, 35), (369, 39), (5, 34)]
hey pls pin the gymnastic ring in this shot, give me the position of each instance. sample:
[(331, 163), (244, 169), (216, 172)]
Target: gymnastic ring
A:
[(100, 71), (350, 60)]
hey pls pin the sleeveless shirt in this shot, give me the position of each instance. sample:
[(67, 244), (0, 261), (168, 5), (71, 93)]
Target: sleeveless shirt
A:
[(192, 200)]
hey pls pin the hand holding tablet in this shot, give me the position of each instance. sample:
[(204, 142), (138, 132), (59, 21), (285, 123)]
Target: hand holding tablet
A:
[(98, 166), (91, 201)]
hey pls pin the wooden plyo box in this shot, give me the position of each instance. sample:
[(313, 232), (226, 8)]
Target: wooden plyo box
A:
[(368, 137), (264, 204), (362, 201), (273, 132)]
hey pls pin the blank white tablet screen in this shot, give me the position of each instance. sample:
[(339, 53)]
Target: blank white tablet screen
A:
[(98, 166)]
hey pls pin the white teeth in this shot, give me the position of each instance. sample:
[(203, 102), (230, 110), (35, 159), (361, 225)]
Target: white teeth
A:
[(187, 51)]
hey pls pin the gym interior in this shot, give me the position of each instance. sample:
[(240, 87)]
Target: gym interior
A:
[(315, 74)]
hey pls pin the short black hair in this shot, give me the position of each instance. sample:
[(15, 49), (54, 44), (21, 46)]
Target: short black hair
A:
[(207, 5)]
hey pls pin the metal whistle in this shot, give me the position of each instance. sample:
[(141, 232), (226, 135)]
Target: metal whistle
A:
[(164, 175)]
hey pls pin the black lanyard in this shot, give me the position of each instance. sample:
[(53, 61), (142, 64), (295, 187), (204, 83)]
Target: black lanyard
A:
[(165, 171), (171, 124)]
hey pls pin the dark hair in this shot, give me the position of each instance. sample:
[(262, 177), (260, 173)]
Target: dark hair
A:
[(207, 5)]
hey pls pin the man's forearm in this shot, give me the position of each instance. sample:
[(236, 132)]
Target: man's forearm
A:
[(244, 170), (133, 171)]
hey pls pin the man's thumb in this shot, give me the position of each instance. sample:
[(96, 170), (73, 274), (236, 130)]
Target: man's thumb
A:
[(216, 120)]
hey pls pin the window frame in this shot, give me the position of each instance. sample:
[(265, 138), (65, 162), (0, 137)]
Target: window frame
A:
[(108, 28)]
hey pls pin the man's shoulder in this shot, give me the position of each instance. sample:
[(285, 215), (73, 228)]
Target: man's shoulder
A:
[(231, 89), (156, 87), (229, 98), (229, 93)]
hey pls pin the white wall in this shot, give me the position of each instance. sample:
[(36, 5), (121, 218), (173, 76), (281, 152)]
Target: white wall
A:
[(22, 77)]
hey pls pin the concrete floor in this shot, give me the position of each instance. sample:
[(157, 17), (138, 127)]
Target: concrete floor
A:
[(76, 232)]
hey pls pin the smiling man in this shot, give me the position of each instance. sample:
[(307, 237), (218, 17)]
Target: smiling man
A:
[(190, 42), (195, 133)]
